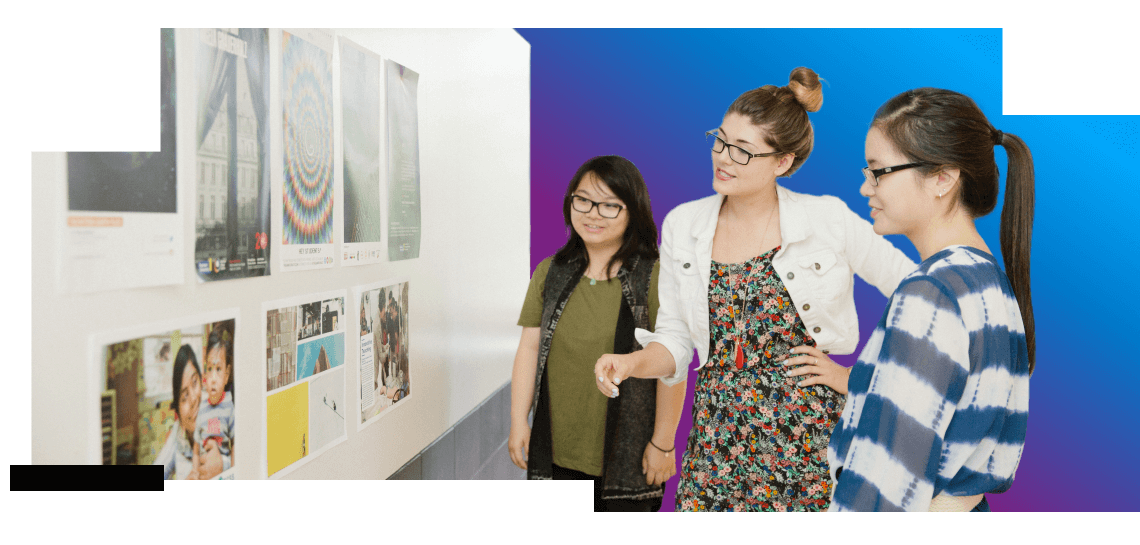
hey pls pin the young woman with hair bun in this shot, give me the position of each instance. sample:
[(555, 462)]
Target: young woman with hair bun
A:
[(759, 279), (938, 401)]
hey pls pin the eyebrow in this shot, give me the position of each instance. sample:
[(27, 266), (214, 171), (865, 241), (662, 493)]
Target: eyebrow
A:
[(588, 194), (741, 140)]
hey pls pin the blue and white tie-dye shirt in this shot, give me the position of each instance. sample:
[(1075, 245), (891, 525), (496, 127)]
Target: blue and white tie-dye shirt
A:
[(938, 400)]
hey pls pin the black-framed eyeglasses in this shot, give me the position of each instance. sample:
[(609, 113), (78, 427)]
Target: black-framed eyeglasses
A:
[(607, 210), (872, 176), (736, 153)]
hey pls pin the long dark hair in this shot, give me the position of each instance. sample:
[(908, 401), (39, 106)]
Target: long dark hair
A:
[(947, 130), (626, 183), (185, 355)]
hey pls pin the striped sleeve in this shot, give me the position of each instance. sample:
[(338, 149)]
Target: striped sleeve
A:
[(921, 364)]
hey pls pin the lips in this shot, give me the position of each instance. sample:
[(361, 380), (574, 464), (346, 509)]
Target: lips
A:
[(723, 176), (591, 228), (875, 211)]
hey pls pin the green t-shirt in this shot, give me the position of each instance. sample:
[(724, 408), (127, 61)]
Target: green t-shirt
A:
[(585, 332)]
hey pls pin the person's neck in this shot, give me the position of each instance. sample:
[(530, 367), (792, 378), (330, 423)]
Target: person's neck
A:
[(942, 232), (599, 257), (755, 207)]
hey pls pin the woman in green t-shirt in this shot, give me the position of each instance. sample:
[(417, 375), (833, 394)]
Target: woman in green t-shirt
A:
[(585, 301)]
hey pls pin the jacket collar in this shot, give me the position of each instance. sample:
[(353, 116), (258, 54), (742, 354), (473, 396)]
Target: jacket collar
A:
[(793, 219)]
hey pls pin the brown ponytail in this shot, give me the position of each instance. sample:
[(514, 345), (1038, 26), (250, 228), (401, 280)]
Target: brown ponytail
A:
[(946, 129), (1017, 230)]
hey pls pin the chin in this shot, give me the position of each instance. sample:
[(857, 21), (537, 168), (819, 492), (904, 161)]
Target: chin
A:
[(724, 188), (884, 228)]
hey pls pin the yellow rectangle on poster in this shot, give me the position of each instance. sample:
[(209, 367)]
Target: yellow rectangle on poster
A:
[(287, 426)]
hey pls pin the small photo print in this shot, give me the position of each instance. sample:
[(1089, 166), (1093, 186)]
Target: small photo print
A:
[(384, 372), (332, 312), (167, 399)]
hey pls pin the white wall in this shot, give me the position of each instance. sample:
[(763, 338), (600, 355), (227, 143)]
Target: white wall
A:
[(465, 291)]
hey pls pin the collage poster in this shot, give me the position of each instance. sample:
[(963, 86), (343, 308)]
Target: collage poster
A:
[(384, 377), (167, 398), (232, 221), (361, 114), (403, 163), (307, 110), (122, 227), (304, 379)]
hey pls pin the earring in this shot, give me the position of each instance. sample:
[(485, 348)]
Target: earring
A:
[(940, 194)]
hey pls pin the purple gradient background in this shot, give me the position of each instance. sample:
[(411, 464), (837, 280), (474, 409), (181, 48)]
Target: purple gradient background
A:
[(649, 95)]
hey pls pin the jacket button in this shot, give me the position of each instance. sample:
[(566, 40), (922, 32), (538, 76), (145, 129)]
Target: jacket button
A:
[(791, 276), (807, 306), (817, 330), (686, 265), (817, 266)]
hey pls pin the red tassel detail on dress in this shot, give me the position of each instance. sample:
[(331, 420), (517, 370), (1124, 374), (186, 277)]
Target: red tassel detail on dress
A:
[(739, 356)]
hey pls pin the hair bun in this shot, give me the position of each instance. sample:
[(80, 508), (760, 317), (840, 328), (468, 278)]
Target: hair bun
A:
[(804, 84)]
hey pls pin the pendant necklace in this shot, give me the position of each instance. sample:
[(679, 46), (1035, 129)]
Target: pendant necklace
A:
[(741, 292)]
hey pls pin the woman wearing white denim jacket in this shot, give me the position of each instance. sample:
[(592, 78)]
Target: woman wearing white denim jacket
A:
[(759, 437)]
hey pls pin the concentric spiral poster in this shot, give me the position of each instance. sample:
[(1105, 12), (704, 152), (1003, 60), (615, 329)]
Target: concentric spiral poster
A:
[(306, 99)]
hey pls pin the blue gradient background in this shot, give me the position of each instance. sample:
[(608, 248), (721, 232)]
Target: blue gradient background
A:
[(649, 95)]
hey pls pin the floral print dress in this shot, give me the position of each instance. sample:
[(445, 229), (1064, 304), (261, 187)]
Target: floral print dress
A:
[(759, 442)]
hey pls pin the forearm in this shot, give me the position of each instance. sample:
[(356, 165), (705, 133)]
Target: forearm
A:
[(653, 361), (670, 402), (522, 383)]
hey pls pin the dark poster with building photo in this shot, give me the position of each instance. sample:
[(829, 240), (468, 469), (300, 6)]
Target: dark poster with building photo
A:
[(232, 208)]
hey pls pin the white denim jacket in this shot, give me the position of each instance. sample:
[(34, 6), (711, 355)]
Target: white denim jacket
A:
[(823, 244)]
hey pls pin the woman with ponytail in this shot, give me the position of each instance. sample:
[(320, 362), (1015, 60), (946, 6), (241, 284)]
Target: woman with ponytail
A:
[(759, 280), (937, 403)]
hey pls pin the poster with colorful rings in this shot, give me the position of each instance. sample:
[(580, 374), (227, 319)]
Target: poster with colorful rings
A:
[(307, 233)]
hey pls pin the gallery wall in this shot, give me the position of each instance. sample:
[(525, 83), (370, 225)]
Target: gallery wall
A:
[(464, 287)]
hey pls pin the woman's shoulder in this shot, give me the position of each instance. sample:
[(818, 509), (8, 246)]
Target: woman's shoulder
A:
[(962, 270), (953, 275), (542, 267)]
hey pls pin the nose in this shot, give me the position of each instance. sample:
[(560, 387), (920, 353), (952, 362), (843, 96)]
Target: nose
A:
[(866, 190)]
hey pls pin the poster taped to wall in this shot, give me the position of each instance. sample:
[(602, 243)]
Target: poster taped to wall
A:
[(360, 91), (122, 228), (403, 163), (304, 379), (232, 222), (307, 122), (164, 395), (385, 379)]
